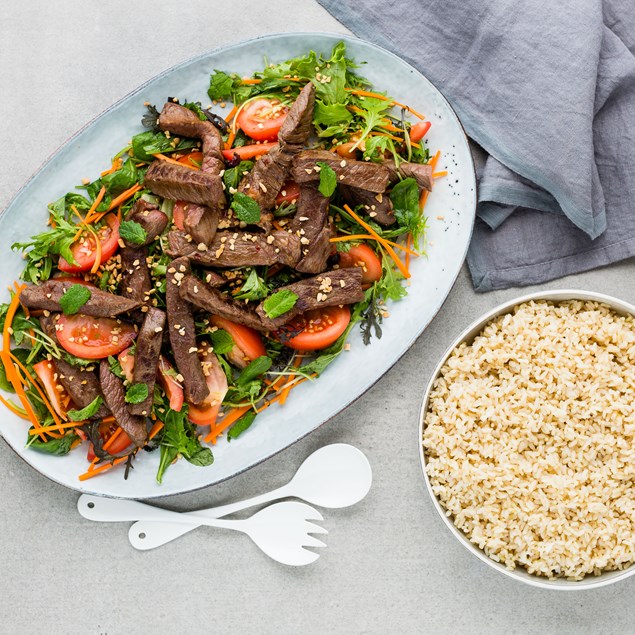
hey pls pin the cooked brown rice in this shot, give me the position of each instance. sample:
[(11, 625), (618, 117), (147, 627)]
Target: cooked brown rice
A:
[(529, 439)]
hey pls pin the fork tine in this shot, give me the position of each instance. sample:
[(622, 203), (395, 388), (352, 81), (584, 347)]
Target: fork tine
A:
[(312, 528), (310, 541), (312, 514)]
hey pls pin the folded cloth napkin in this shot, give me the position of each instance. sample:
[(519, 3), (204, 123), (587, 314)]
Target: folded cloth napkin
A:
[(547, 90)]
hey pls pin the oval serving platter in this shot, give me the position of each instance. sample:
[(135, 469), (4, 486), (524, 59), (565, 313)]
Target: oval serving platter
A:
[(450, 210)]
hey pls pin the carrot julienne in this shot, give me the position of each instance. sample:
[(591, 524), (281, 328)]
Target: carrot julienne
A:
[(219, 428), (381, 241), (122, 198), (368, 93), (438, 175), (340, 239), (232, 114), (162, 157)]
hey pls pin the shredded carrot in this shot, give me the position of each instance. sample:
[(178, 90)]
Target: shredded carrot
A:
[(112, 438), (123, 197), (380, 240), (95, 204), (434, 160), (247, 81), (81, 218), (367, 93), (61, 426), (119, 214), (97, 262), (232, 114), (408, 243), (284, 392), (340, 239), (277, 225), (231, 417), (390, 136), (230, 139), (17, 410), (116, 164), (438, 175), (171, 160)]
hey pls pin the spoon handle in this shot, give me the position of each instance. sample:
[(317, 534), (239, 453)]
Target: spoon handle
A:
[(149, 534)]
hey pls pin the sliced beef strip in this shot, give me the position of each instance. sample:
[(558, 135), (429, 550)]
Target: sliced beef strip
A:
[(47, 296), (376, 205), (182, 333), (238, 249), (146, 358), (201, 222), (178, 182), (310, 224), (81, 384), (420, 172), (205, 297), (183, 122), (298, 124), (115, 396), (320, 291), (362, 174), (136, 283), (153, 220)]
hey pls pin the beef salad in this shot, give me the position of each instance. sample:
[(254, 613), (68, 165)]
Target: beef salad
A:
[(218, 263)]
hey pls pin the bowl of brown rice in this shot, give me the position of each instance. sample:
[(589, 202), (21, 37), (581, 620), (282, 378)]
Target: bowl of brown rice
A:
[(527, 439)]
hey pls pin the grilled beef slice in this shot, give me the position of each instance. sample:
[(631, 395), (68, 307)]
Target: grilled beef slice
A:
[(153, 220), (272, 169), (146, 358), (237, 249), (311, 225), (201, 222), (364, 175), (178, 182), (420, 172), (182, 333), (376, 205), (81, 385), (100, 304), (320, 291), (135, 275), (115, 396), (298, 123), (183, 122), (205, 297)]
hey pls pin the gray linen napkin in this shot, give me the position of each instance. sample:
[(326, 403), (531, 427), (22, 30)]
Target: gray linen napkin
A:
[(547, 89)]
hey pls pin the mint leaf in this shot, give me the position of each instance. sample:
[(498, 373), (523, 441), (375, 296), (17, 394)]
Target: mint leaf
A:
[(136, 393), (241, 425), (328, 179), (254, 369), (132, 232), (87, 412), (279, 303), (222, 342), (247, 210), (74, 299), (254, 288)]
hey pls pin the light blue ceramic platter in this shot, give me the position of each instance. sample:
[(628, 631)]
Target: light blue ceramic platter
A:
[(450, 210)]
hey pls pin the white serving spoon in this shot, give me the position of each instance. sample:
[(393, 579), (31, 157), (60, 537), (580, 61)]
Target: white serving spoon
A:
[(334, 476)]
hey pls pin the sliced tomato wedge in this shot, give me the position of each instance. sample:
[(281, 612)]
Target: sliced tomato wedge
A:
[(106, 430), (84, 249), (126, 361), (178, 214), (93, 338), (362, 256), (249, 152), (206, 413), (419, 130), (318, 329), (247, 340), (45, 372), (262, 119), (289, 192), (173, 389), (193, 159)]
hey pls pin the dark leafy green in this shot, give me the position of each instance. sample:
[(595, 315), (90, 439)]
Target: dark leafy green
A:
[(241, 425), (280, 302), (87, 412), (57, 447), (132, 232), (246, 209)]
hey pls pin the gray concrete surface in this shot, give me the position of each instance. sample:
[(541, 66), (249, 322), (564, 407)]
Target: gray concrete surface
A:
[(390, 566)]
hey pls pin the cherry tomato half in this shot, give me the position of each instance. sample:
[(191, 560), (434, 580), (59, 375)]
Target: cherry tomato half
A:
[(362, 256), (247, 340), (45, 372), (193, 159), (262, 119), (289, 192), (178, 214), (249, 152), (205, 414), (173, 389), (84, 250), (93, 338), (320, 328), (419, 130)]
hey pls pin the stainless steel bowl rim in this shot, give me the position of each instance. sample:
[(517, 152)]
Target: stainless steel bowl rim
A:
[(556, 295)]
